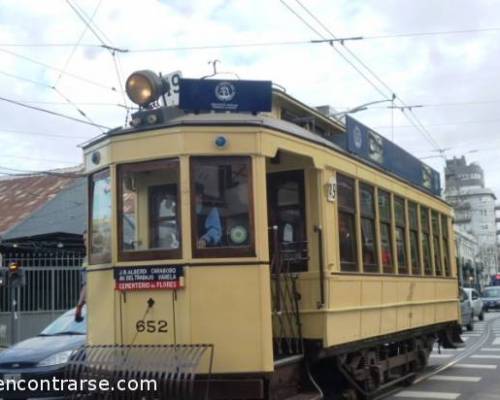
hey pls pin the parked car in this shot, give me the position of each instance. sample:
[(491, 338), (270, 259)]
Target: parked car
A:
[(43, 356), (491, 298), (466, 311), (476, 302)]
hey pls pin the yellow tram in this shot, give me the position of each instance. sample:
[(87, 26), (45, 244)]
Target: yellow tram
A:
[(248, 247)]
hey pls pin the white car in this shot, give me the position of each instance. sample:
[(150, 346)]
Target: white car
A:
[(476, 302)]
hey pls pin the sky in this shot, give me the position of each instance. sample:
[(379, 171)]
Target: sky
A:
[(441, 57)]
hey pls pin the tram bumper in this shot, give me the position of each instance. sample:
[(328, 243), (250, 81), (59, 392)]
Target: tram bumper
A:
[(139, 371)]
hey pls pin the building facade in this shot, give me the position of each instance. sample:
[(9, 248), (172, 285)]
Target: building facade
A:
[(471, 271), (474, 207)]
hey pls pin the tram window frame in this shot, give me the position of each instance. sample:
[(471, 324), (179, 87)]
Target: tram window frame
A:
[(368, 217), (426, 240), (346, 207), (150, 253), (385, 226), (446, 245), (436, 240), (400, 226), (98, 258), (223, 251), (414, 240)]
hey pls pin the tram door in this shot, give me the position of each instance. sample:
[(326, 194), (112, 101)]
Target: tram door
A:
[(288, 254)]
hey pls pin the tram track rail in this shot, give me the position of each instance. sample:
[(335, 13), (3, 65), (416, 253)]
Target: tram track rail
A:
[(456, 359)]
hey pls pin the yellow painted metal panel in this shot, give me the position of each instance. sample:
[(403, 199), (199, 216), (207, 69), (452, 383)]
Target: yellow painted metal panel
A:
[(101, 310), (227, 310)]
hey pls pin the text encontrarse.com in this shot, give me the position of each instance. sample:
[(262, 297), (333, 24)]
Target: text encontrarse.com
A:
[(83, 385)]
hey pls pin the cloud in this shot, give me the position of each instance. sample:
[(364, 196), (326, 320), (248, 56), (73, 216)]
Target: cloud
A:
[(429, 70)]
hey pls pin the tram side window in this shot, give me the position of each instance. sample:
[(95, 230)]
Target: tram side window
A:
[(426, 245), (436, 242), (446, 248), (222, 210), (346, 216), (415, 251), (370, 259), (149, 210), (384, 205), (100, 218), (400, 215)]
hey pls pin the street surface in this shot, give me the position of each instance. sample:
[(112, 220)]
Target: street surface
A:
[(471, 373)]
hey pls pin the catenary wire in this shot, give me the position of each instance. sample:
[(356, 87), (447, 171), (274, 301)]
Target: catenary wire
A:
[(52, 113), (74, 76), (413, 119), (338, 52), (42, 134), (283, 43), (75, 47), (105, 42)]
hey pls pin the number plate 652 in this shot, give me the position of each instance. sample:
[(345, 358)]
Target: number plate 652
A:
[(151, 326)]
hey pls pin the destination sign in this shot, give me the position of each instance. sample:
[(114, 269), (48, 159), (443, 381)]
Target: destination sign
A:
[(162, 277)]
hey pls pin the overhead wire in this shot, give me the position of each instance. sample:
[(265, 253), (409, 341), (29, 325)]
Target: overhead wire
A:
[(218, 46), (74, 76), (481, 121), (413, 119), (36, 159), (435, 33), (78, 109), (28, 80), (105, 43), (42, 172), (75, 47), (336, 50), (47, 86), (65, 67), (42, 134), (53, 113)]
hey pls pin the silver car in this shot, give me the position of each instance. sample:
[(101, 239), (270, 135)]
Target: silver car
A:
[(491, 298), (476, 302), (466, 310)]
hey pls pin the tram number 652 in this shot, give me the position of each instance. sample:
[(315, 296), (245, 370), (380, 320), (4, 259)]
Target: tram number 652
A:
[(151, 326)]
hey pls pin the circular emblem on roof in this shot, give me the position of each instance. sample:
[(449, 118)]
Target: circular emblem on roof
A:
[(225, 91), (357, 138)]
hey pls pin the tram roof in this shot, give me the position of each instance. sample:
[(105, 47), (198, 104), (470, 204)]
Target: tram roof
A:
[(240, 119), (223, 119)]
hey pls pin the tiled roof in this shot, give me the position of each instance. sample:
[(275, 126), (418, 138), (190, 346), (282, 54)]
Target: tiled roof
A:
[(21, 196)]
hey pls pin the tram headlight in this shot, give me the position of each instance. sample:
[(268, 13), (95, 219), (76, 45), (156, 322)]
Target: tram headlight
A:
[(144, 87)]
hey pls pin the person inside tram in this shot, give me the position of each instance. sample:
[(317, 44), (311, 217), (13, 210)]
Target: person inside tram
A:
[(209, 221), (83, 290)]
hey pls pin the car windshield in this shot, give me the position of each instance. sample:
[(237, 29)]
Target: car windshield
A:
[(493, 292), (66, 325)]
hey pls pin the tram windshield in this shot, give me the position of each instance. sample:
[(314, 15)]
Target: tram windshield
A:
[(221, 206), (149, 205), (100, 223)]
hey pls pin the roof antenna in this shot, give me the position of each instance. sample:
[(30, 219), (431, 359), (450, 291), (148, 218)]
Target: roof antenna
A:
[(214, 66)]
